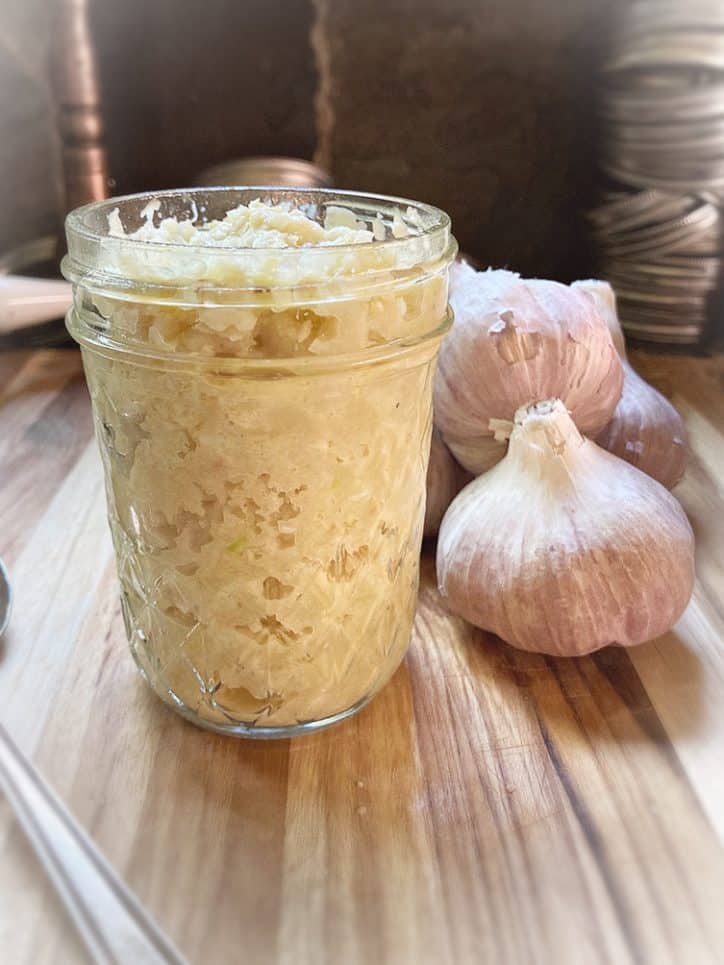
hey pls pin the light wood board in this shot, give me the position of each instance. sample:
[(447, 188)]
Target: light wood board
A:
[(489, 806)]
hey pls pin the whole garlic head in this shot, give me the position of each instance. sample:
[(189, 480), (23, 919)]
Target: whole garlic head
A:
[(646, 430), (563, 548), (517, 341)]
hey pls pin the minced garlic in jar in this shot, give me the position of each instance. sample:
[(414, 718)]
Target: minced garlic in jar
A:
[(260, 368)]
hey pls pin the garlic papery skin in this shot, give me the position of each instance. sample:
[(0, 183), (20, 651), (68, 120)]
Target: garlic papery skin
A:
[(513, 342), (563, 548), (445, 479), (646, 430)]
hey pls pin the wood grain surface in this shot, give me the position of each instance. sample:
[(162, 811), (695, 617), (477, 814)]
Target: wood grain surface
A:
[(489, 806)]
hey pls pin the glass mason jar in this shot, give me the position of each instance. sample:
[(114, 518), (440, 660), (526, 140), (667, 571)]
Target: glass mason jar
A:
[(264, 418)]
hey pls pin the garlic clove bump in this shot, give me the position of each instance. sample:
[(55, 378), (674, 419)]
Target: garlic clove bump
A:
[(562, 548), (646, 430), (605, 298)]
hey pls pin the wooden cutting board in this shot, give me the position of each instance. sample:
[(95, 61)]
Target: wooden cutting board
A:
[(488, 806)]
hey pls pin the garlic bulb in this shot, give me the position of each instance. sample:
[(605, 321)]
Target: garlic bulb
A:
[(518, 341), (445, 479), (563, 548), (646, 430)]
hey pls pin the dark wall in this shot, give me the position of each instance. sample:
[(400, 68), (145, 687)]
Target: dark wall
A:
[(189, 83), (483, 107)]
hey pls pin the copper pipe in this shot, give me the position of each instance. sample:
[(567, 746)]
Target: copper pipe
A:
[(77, 92)]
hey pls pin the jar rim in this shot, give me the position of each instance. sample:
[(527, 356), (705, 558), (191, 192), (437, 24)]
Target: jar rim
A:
[(91, 248), (95, 265)]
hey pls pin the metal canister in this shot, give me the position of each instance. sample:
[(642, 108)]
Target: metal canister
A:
[(660, 221), (288, 172)]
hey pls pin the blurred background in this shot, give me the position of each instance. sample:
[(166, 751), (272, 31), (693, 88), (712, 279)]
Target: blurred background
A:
[(494, 111)]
